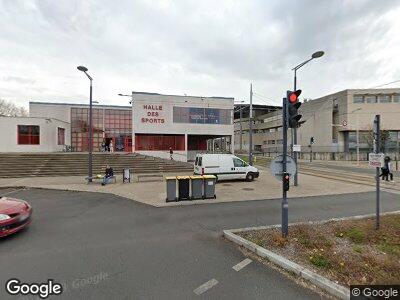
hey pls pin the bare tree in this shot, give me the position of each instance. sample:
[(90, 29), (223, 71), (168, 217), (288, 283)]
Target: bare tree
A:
[(370, 137), (9, 109)]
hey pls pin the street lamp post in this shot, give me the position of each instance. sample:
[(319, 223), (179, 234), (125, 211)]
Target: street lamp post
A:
[(90, 160), (317, 54), (133, 127)]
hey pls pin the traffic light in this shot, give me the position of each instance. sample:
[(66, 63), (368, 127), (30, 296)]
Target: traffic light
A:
[(286, 181), (293, 107)]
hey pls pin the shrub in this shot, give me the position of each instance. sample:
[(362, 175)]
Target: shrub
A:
[(356, 235)]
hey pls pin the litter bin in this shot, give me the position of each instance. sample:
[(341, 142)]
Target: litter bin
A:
[(209, 186), (197, 186), (183, 185), (126, 175), (171, 188)]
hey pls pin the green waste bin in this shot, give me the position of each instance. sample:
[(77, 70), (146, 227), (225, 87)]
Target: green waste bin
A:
[(197, 187), (183, 187), (209, 186), (171, 188)]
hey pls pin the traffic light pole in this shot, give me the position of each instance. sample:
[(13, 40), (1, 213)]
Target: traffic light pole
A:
[(294, 141), (285, 205)]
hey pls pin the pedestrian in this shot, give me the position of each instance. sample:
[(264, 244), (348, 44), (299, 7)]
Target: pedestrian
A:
[(111, 147), (171, 152), (108, 174), (389, 168)]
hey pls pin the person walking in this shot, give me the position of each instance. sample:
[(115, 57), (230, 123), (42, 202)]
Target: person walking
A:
[(389, 168), (171, 152)]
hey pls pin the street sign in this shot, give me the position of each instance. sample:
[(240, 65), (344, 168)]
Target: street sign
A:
[(296, 148), (376, 160), (276, 167)]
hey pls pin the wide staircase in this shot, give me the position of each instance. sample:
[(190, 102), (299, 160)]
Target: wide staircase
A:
[(71, 164)]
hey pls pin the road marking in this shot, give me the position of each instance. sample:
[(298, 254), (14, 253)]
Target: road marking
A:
[(242, 264), (14, 191), (205, 287)]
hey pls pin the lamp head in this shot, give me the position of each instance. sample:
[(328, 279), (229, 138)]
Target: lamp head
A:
[(317, 54), (82, 68)]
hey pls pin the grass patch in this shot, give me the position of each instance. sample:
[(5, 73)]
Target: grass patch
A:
[(346, 251), (355, 235)]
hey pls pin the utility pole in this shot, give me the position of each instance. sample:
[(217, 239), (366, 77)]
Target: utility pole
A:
[(241, 128), (377, 149), (251, 126)]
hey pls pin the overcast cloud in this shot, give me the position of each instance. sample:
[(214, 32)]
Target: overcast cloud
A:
[(205, 48)]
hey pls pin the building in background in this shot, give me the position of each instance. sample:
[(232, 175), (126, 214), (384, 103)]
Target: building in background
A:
[(332, 123), (153, 125), (187, 124)]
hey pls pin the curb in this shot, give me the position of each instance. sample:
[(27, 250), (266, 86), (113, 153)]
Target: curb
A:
[(318, 280)]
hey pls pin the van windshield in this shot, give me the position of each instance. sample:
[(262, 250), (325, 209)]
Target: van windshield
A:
[(200, 161)]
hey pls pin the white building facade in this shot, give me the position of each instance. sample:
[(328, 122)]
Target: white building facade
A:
[(186, 124), (153, 125)]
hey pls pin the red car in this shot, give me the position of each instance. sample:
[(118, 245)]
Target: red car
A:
[(14, 215)]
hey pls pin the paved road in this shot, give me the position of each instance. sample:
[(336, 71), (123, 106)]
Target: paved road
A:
[(142, 252)]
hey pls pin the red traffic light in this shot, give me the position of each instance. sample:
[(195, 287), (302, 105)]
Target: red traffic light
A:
[(294, 96)]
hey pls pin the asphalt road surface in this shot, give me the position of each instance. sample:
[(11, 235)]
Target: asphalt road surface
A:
[(101, 246)]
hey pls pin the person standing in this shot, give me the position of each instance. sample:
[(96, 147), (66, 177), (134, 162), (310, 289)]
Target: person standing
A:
[(111, 147), (171, 152)]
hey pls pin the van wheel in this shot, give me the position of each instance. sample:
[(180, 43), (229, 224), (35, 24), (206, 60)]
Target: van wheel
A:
[(249, 177)]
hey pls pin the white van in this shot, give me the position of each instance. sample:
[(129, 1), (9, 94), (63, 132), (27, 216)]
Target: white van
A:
[(224, 166)]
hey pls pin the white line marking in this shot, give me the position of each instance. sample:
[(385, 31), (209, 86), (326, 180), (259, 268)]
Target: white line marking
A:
[(205, 287), (14, 191), (242, 264)]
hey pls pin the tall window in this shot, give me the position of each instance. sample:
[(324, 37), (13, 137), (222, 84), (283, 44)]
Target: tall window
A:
[(28, 135), (61, 136)]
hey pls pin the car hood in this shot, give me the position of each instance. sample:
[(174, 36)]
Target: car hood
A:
[(11, 205)]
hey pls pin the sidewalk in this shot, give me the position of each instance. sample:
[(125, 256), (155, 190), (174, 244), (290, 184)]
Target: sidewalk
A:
[(153, 193)]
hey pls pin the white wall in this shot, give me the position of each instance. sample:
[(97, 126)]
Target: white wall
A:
[(48, 110), (166, 114), (48, 134)]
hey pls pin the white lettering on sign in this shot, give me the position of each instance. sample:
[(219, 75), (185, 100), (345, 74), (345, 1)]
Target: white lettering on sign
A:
[(153, 114)]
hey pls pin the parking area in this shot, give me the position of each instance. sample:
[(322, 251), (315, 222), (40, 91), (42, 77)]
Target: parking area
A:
[(154, 193)]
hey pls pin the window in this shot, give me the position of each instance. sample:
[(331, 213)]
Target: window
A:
[(60, 136), (358, 99), (370, 99), (28, 135), (238, 163), (384, 98), (396, 98), (198, 115)]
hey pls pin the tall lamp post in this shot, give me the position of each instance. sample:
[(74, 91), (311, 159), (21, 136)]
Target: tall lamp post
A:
[(317, 54), (133, 127), (90, 161)]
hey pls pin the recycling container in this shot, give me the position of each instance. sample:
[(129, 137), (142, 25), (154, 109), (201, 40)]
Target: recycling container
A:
[(183, 187), (209, 186), (171, 188), (197, 187)]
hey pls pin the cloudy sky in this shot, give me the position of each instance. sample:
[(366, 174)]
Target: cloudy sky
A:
[(205, 48)]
